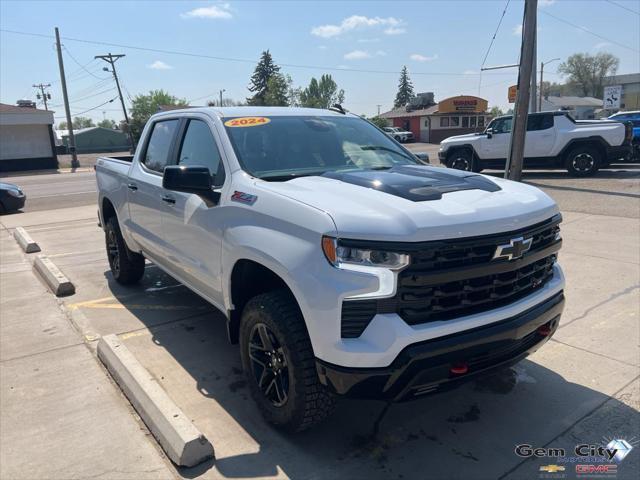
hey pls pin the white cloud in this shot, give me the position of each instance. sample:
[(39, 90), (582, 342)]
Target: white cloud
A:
[(222, 10), (357, 55), (545, 3), (601, 45), (395, 31), (354, 22), (159, 65), (422, 58), (517, 30)]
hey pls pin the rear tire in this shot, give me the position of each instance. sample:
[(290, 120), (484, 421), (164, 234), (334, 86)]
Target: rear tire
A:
[(279, 363), (127, 267), (463, 160), (583, 161)]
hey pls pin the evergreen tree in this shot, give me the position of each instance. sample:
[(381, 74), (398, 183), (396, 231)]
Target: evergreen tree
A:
[(277, 94), (321, 94), (260, 78), (405, 89)]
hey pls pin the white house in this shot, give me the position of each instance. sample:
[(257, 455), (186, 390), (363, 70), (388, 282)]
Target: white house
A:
[(580, 108)]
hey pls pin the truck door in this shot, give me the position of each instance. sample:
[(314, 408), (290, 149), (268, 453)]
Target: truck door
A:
[(540, 138), (146, 197), (192, 228), (497, 145)]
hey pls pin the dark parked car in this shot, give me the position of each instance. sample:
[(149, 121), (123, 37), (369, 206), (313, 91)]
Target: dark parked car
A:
[(11, 197), (634, 118)]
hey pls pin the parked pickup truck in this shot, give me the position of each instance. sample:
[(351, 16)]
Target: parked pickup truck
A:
[(343, 265), (553, 140)]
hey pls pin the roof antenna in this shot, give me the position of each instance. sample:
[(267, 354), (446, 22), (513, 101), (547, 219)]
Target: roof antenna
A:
[(336, 107)]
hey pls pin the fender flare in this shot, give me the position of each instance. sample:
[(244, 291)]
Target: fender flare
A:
[(596, 140)]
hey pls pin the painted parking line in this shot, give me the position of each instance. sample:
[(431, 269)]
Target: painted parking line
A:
[(102, 303)]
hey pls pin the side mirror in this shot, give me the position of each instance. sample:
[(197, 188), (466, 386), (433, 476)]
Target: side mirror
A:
[(190, 179), (422, 157), (489, 132)]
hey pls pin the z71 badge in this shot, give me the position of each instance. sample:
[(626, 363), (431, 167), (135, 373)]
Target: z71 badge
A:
[(243, 197)]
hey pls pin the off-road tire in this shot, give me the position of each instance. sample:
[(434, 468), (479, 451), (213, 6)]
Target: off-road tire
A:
[(308, 402), (127, 267), (462, 159), (583, 161)]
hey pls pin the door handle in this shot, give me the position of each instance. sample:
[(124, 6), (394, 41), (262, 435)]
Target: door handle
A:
[(132, 186), (168, 199)]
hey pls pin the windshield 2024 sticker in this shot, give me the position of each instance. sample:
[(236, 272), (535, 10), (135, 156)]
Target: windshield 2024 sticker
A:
[(247, 122)]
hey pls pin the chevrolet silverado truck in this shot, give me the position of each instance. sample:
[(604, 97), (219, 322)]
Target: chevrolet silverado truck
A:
[(343, 265), (553, 140)]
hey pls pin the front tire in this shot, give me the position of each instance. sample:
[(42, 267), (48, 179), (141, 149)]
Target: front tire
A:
[(127, 267), (583, 161), (279, 363), (463, 160)]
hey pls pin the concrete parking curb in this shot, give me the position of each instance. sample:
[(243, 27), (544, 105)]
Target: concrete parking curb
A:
[(25, 241), (179, 438), (53, 277)]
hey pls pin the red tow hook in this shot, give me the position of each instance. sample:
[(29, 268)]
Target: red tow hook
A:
[(544, 330), (459, 368)]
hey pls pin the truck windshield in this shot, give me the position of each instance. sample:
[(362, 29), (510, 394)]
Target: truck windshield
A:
[(283, 147)]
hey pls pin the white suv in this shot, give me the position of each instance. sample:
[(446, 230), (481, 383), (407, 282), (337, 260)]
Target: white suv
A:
[(554, 139), (398, 134)]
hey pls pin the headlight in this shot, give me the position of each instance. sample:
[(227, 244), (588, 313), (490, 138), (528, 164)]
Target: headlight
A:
[(15, 193), (339, 255)]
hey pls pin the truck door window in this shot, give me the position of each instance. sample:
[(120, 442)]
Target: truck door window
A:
[(539, 122), (199, 147), (156, 156)]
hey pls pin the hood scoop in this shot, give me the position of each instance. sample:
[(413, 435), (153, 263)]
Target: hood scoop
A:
[(416, 183)]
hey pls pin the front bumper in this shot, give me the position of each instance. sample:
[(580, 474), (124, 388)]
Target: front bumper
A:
[(425, 367), (11, 203)]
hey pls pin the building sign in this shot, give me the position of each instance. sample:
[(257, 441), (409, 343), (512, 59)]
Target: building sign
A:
[(513, 90), (463, 104), (612, 95)]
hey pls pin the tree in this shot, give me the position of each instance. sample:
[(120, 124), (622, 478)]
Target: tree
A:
[(78, 123), (226, 102), (321, 94), (277, 94), (587, 71), (143, 106), (496, 111), (405, 89), (107, 123), (379, 121), (265, 69)]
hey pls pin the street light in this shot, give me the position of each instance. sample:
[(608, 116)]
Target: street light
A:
[(542, 64), (221, 92)]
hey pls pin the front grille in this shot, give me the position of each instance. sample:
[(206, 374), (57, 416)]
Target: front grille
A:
[(452, 279)]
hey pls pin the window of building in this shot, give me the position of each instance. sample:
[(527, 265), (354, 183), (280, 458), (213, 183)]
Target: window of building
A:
[(426, 122), (481, 121), (454, 122), (465, 122), (444, 121), (156, 156), (199, 147), (472, 122)]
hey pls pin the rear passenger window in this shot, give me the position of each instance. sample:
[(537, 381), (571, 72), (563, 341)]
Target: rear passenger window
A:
[(156, 156), (539, 122), (199, 147)]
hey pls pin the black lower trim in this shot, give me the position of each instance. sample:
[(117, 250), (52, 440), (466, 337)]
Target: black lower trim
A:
[(616, 153), (425, 367)]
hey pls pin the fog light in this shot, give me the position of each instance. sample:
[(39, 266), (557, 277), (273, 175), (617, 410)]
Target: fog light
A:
[(544, 330)]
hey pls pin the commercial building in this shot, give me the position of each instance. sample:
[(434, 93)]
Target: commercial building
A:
[(26, 138), (432, 123), (580, 108), (630, 83), (96, 140)]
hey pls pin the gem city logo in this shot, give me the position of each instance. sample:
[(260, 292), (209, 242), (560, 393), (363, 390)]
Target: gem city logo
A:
[(588, 460)]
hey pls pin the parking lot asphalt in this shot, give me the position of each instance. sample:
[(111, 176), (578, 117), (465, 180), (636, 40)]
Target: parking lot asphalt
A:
[(581, 387)]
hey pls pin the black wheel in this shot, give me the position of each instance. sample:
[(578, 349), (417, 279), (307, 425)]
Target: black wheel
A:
[(397, 139), (279, 363), (462, 160), (127, 267), (2, 209), (583, 161)]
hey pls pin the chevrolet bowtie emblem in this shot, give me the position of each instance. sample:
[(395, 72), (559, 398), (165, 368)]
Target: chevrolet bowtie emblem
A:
[(514, 249), (551, 468)]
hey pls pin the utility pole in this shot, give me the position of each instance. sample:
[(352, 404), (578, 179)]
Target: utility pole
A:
[(112, 59), (513, 168), (65, 97), (45, 96), (221, 92), (542, 64), (533, 96), (378, 109)]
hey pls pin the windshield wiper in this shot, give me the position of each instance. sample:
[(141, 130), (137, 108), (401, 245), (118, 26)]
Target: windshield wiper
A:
[(289, 176), (386, 149)]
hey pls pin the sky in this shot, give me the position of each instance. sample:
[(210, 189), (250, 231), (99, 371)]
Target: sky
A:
[(193, 49)]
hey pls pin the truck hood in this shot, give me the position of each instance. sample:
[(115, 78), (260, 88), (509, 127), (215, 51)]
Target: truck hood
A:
[(418, 203), (456, 138)]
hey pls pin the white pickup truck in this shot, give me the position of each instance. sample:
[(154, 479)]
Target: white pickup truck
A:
[(343, 265), (553, 140)]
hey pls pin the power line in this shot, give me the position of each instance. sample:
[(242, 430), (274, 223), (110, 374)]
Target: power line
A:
[(239, 60), (589, 31), (622, 6), (83, 67), (92, 108), (495, 33)]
